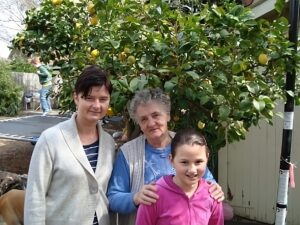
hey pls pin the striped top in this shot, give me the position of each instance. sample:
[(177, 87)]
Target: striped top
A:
[(91, 152)]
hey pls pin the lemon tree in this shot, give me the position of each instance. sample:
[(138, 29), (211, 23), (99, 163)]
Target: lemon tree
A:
[(223, 69)]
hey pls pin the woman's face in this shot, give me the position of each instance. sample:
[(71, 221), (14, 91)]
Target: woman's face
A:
[(153, 120), (94, 106)]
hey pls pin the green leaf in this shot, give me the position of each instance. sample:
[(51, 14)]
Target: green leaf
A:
[(133, 85), (279, 6), (236, 68), (204, 99), (224, 33), (169, 85), (245, 104), (253, 87), (224, 112), (123, 82), (115, 44), (164, 70), (259, 105), (237, 10), (193, 74)]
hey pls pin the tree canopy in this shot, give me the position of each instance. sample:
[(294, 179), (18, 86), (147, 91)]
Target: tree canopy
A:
[(223, 69)]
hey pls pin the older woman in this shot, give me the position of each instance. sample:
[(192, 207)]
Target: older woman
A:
[(72, 162), (145, 159)]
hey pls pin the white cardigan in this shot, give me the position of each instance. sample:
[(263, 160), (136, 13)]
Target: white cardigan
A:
[(62, 187)]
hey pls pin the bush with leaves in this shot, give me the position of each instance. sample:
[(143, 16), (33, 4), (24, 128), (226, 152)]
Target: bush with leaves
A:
[(223, 69), (20, 64), (10, 94)]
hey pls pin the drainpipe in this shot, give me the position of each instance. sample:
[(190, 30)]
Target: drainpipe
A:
[(285, 163)]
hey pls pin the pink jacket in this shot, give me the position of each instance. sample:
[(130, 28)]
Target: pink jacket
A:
[(174, 208)]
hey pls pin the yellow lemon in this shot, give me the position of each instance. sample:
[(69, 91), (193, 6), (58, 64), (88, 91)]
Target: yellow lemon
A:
[(210, 53), (263, 59), (200, 124), (94, 20), (127, 50), (122, 56), (95, 53), (131, 60), (207, 81), (78, 25), (56, 2), (91, 8), (110, 111)]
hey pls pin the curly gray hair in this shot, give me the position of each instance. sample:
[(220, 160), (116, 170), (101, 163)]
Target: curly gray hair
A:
[(147, 95)]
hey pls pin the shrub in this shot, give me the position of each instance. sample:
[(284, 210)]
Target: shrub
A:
[(10, 98), (21, 65)]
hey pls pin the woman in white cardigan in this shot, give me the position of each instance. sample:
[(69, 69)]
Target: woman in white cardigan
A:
[(72, 161)]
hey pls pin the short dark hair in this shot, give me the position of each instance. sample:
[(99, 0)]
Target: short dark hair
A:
[(92, 76), (188, 136)]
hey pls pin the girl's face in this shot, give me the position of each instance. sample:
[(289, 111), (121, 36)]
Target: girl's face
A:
[(189, 163), (94, 106)]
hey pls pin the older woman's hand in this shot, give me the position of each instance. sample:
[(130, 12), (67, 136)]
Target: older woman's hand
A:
[(147, 195), (216, 192)]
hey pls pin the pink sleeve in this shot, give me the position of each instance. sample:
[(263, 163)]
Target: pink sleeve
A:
[(146, 215), (217, 216)]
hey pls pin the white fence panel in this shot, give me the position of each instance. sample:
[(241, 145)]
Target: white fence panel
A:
[(248, 172)]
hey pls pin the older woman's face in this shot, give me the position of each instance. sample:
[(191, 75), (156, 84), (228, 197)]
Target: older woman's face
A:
[(153, 119)]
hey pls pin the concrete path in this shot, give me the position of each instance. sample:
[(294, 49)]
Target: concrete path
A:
[(243, 221)]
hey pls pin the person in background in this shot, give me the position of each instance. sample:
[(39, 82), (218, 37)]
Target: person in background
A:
[(184, 198), (143, 160), (45, 78), (72, 161)]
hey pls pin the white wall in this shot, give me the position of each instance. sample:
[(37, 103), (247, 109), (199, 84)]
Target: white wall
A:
[(250, 168), (261, 7)]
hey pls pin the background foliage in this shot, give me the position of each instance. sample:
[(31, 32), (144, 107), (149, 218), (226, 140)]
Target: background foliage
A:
[(20, 64), (10, 94), (208, 61)]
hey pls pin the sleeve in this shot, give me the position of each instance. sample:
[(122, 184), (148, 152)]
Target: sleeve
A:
[(39, 177), (217, 216), (43, 71), (208, 176), (119, 192), (146, 215)]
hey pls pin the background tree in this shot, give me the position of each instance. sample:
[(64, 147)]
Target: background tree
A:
[(223, 69), (10, 94), (12, 16)]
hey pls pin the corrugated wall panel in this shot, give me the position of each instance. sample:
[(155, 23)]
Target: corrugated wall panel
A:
[(249, 169)]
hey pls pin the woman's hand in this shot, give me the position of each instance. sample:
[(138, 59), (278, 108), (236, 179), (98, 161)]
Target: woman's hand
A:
[(147, 195), (216, 192)]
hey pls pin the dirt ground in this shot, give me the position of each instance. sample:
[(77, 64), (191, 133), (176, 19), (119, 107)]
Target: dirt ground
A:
[(15, 156)]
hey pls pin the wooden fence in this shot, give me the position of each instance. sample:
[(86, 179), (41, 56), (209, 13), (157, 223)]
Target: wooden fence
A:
[(249, 172)]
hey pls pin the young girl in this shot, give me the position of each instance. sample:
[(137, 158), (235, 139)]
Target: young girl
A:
[(184, 199)]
